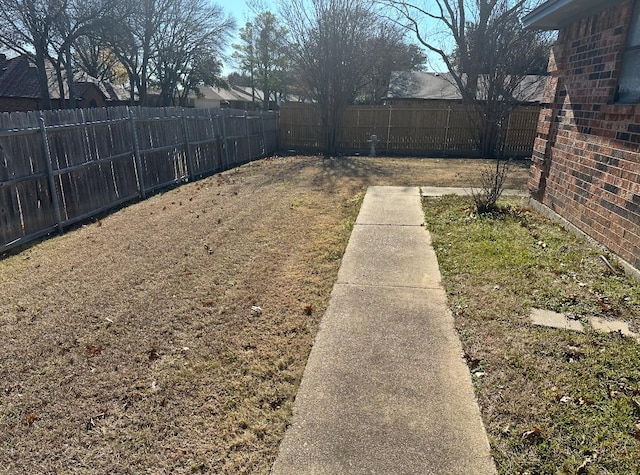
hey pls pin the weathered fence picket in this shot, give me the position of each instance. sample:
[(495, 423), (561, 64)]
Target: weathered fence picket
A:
[(60, 167)]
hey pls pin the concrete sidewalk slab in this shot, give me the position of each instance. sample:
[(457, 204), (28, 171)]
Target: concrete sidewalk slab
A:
[(548, 318), (612, 326), (377, 208), (397, 398), (385, 389), (389, 256)]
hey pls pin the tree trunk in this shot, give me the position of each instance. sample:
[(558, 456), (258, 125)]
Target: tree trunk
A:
[(70, 79), (43, 81)]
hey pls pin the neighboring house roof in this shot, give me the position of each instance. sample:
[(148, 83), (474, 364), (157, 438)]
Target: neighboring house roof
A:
[(19, 78), (420, 85), (235, 94), (112, 92), (246, 91), (441, 86), (220, 94), (554, 14)]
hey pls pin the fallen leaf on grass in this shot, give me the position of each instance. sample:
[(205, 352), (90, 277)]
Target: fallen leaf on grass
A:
[(91, 350), (532, 434), (308, 310), (30, 418)]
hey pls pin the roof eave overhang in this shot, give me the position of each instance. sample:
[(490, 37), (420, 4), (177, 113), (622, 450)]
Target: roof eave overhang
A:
[(554, 14)]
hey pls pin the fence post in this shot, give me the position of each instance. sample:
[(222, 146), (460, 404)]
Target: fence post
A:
[(224, 141), (276, 120), (136, 155), (213, 136), (246, 128), (264, 134), (187, 145), (446, 132), (389, 129), (52, 184)]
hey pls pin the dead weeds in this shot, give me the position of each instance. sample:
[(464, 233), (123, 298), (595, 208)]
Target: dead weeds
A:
[(171, 336)]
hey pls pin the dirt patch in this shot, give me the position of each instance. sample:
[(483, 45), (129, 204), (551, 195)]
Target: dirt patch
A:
[(171, 336)]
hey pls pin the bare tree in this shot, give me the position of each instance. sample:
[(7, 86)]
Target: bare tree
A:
[(330, 61), (79, 19), (174, 45), (132, 42), (26, 29), (46, 31), (486, 51), (97, 60), (189, 42)]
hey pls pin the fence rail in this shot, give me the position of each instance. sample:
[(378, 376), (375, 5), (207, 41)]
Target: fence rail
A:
[(402, 129), (60, 167)]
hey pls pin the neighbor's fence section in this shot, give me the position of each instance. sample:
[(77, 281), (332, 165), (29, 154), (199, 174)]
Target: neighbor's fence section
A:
[(60, 167), (406, 129)]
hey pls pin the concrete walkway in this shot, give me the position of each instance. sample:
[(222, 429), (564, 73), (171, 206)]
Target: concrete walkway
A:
[(385, 390)]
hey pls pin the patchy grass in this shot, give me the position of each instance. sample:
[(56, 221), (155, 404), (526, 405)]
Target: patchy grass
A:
[(553, 401), (130, 344)]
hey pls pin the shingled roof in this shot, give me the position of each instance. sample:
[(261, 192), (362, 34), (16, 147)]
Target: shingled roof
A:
[(19, 79), (441, 86)]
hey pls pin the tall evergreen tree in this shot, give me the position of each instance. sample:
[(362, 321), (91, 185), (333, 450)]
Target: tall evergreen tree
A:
[(262, 55)]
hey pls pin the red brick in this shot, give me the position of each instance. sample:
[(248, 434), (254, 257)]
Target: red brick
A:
[(593, 158)]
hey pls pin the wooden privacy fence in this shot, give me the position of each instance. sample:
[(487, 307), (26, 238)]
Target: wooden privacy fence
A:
[(60, 167), (416, 130)]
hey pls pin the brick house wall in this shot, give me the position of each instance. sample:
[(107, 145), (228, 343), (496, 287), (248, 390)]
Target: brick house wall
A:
[(586, 159), (91, 97)]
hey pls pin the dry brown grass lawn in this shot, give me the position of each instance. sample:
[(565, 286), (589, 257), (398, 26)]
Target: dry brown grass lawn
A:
[(129, 345)]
